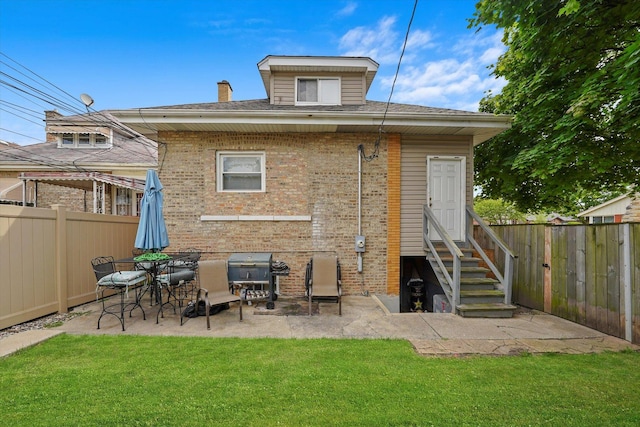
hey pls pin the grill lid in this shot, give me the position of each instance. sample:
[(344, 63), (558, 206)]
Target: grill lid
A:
[(253, 259)]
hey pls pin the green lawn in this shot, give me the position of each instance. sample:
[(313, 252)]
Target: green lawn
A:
[(163, 381)]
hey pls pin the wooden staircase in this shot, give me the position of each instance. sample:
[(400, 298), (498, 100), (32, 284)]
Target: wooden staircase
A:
[(480, 295)]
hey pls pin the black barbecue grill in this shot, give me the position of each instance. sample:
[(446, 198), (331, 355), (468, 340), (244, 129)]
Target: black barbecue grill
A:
[(253, 271)]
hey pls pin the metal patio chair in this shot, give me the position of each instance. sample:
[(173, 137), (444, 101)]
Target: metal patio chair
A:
[(121, 282)]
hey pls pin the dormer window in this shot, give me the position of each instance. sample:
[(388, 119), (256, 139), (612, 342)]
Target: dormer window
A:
[(317, 91), (82, 140)]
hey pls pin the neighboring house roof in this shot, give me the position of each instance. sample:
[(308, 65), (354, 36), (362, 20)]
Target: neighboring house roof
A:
[(84, 180), (615, 206), (101, 122), (6, 144), (556, 216), (47, 155), (260, 115), (78, 167)]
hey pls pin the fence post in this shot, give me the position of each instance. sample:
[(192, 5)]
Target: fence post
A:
[(61, 257), (626, 277), (547, 271)]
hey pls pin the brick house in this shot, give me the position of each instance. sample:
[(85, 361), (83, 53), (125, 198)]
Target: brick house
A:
[(312, 167), (89, 163)]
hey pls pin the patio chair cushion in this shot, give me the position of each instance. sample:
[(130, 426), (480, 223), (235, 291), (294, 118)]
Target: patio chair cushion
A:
[(123, 278), (174, 278)]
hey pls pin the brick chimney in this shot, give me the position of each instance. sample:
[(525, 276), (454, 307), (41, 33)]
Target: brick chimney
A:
[(51, 115), (224, 91)]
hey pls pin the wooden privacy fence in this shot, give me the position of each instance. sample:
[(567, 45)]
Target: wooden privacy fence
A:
[(45, 258), (589, 274)]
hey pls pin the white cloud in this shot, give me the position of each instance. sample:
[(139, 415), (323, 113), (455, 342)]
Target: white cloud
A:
[(377, 43), (435, 71), (383, 44), (347, 10), (419, 39)]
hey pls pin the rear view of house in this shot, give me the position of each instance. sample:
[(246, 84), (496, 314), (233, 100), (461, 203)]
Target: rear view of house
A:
[(316, 167)]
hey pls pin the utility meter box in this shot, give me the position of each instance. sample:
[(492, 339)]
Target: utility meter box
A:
[(360, 244)]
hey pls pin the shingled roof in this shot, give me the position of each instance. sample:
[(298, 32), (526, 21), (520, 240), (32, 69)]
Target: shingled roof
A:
[(265, 105), (139, 151)]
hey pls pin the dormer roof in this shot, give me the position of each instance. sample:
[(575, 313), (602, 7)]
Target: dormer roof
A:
[(309, 65)]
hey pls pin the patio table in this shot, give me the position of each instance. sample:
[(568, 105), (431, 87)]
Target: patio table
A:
[(154, 268)]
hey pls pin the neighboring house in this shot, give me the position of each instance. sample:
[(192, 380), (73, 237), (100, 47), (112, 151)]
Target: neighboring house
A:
[(557, 219), (632, 213), (10, 188), (90, 163), (612, 211), (315, 167)]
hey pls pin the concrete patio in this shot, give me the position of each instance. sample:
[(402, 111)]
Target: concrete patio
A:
[(431, 334)]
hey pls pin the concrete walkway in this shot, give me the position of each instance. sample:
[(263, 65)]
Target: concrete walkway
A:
[(432, 334)]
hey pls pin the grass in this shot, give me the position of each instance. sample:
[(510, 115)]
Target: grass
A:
[(166, 381)]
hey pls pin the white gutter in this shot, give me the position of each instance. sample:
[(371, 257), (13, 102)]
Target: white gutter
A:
[(311, 118)]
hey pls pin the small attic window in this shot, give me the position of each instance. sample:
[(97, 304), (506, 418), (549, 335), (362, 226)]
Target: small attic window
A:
[(317, 91), (83, 140)]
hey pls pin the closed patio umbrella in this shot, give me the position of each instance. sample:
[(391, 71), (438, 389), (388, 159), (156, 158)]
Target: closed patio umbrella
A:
[(152, 231)]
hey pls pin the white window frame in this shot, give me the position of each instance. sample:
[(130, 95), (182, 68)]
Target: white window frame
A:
[(322, 100), (95, 140), (221, 155)]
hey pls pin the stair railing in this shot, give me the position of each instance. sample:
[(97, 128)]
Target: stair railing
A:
[(453, 280), (505, 277)]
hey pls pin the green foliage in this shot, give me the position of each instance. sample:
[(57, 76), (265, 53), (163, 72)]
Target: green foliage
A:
[(175, 381), (152, 256), (573, 72), (497, 211)]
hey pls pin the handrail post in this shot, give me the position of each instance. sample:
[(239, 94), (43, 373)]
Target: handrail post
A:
[(453, 281), (506, 278), (457, 264)]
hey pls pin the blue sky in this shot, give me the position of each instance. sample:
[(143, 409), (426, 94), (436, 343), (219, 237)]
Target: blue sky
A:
[(148, 53)]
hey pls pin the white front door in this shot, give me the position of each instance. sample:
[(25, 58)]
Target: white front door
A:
[(446, 194)]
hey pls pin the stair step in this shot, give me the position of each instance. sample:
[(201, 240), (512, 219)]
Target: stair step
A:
[(477, 283), (483, 296), (469, 283), (486, 310), (464, 261), (471, 272), (478, 280), (445, 251)]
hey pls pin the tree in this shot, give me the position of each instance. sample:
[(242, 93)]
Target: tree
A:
[(497, 211), (573, 73)]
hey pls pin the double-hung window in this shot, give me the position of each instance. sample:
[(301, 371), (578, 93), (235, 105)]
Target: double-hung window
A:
[(317, 91), (241, 171)]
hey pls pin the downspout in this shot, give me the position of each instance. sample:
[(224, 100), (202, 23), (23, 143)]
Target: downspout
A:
[(359, 206)]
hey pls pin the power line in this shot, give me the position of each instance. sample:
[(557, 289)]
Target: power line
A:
[(18, 115), (21, 134), (376, 148), (66, 102)]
